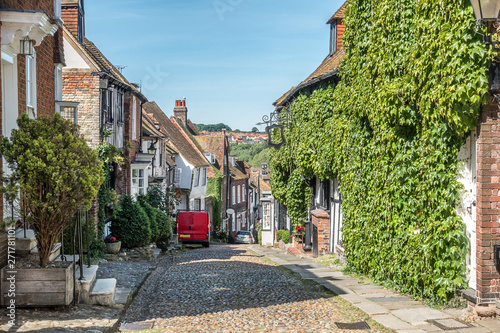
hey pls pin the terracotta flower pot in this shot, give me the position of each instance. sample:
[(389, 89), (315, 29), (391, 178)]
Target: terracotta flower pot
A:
[(113, 248)]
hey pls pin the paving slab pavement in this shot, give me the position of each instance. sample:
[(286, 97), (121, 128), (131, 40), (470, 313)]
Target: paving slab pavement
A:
[(396, 312)]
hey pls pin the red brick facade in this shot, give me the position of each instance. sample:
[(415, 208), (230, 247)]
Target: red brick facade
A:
[(321, 220), (48, 54), (488, 202)]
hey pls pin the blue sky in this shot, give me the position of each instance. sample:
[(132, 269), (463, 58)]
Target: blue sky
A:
[(231, 59)]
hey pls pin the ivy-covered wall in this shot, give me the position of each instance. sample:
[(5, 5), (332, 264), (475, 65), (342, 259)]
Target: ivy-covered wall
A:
[(410, 90), (214, 191)]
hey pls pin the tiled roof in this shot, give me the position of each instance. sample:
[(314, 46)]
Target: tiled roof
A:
[(104, 64), (179, 140), (264, 187), (328, 68), (339, 14), (192, 128), (238, 174), (213, 144)]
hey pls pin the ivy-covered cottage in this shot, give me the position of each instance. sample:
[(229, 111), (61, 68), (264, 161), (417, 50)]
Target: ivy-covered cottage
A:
[(30, 72), (401, 152), (326, 209)]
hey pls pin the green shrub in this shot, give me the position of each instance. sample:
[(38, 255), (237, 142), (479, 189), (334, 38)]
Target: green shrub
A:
[(152, 215), (131, 225), (260, 237), (164, 228), (283, 235)]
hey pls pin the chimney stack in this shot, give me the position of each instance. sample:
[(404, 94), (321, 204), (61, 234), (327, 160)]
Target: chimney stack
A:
[(71, 14), (180, 110)]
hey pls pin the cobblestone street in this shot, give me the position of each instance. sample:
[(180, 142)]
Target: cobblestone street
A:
[(228, 288)]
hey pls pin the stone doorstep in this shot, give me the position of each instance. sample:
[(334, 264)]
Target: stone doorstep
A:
[(87, 283), (30, 234), (25, 245), (56, 251), (103, 292)]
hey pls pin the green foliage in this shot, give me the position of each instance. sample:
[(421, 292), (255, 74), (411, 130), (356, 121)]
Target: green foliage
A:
[(165, 225), (213, 128), (214, 191), (96, 244), (253, 153), (156, 197), (412, 83), (255, 129), (151, 212), (131, 225), (109, 155), (55, 171), (284, 235)]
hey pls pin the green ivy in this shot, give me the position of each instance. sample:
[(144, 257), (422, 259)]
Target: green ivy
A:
[(410, 91), (214, 191)]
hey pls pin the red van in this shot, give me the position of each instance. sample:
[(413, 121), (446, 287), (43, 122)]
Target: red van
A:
[(193, 227)]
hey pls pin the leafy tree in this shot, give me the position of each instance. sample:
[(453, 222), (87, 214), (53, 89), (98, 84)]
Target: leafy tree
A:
[(213, 128), (255, 130), (253, 153), (56, 174)]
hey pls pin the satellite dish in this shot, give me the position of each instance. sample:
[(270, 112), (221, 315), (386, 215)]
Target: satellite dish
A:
[(230, 211)]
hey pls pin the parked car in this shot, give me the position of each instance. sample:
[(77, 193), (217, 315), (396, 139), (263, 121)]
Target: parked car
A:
[(244, 237)]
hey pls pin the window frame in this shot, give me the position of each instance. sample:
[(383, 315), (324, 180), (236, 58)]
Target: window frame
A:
[(31, 93), (135, 184)]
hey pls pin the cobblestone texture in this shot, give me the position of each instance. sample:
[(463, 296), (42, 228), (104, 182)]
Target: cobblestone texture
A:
[(227, 288), (127, 274)]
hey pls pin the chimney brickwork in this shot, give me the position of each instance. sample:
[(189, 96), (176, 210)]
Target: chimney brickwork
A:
[(180, 110)]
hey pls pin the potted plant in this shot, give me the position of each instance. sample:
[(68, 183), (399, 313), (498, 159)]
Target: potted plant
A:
[(113, 245), (55, 174), (299, 234)]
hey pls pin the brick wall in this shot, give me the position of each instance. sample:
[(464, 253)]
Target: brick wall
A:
[(488, 202), (321, 220), (69, 14), (340, 33), (83, 87), (44, 5)]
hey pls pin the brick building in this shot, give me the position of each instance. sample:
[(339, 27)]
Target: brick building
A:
[(102, 101), (30, 71)]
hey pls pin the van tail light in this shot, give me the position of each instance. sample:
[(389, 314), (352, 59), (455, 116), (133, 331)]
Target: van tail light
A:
[(250, 236)]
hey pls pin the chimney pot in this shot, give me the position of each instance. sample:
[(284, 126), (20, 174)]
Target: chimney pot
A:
[(184, 102)]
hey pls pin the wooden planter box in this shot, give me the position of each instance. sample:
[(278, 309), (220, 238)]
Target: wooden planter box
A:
[(38, 287)]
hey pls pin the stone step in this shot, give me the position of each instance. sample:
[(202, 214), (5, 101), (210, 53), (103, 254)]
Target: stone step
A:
[(56, 251), (123, 296), (85, 285), (103, 292), (25, 244)]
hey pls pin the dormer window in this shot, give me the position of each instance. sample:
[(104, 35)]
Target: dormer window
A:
[(333, 37)]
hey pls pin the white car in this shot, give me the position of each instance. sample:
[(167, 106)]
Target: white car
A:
[(244, 237)]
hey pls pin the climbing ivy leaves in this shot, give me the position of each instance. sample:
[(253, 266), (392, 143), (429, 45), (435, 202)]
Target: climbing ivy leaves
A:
[(410, 90)]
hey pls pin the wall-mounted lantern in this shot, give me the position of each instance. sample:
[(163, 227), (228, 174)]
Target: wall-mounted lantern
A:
[(26, 47), (486, 10), (152, 149)]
